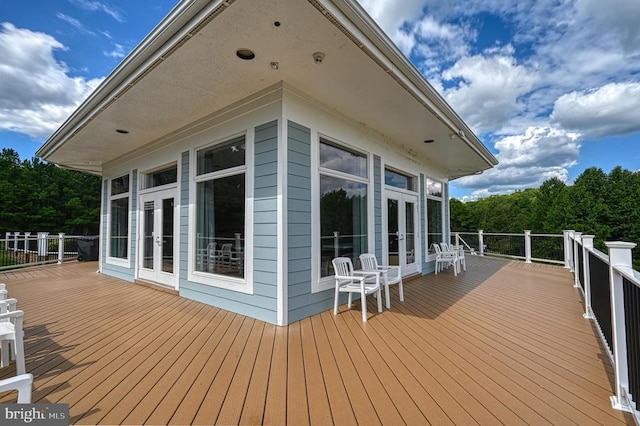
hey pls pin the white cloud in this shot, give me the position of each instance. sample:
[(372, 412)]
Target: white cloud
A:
[(36, 92), (618, 18), (526, 161), (613, 109), (74, 22), (490, 89), (99, 6), (118, 52)]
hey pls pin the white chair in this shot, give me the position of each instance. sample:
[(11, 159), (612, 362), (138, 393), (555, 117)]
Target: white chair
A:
[(390, 275), (445, 258), (22, 383), (461, 260), (348, 282), (12, 335)]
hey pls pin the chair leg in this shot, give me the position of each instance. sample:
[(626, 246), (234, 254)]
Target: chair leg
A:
[(350, 300), (380, 299), (4, 355), (387, 295), (400, 290), (335, 302), (363, 302), (19, 345)]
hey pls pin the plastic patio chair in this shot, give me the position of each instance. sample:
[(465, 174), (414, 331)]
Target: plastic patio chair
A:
[(12, 335), (390, 275), (22, 383), (348, 281), (445, 258)]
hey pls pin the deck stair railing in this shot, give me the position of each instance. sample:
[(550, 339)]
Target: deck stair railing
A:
[(19, 249), (611, 289)]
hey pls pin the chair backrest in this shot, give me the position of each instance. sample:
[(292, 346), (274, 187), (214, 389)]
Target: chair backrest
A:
[(436, 248), (444, 246), (342, 266), (226, 248), (369, 262)]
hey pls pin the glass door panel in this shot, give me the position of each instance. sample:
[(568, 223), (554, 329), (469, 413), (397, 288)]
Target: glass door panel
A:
[(147, 239), (167, 235), (157, 237), (393, 232), (403, 244)]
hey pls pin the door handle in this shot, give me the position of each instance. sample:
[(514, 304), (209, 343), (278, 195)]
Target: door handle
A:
[(158, 241)]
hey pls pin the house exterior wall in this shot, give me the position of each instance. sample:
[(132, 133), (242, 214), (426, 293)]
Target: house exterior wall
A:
[(282, 130)]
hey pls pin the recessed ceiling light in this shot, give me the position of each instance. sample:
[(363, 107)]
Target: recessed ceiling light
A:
[(245, 54), (429, 141), (124, 132)]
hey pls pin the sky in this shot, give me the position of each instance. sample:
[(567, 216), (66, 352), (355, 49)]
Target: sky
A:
[(552, 87)]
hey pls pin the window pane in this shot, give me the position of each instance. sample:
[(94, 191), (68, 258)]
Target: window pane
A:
[(220, 157), (161, 177), (434, 222), (399, 180), (434, 188), (120, 185), (342, 160), (220, 226), (119, 228), (343, 221)]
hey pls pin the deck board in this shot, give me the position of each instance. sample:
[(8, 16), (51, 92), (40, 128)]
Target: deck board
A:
[(503, 342)]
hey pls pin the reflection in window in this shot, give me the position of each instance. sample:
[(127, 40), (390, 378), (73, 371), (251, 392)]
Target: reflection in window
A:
[(399, 180), (119, 212), (343, 205), (161, 177), (434, 213), (220, 206)]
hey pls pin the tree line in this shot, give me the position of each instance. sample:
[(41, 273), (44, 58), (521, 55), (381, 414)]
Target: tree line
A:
[(36, 196), (600, 204)]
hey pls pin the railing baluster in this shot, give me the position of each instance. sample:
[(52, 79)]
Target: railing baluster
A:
[(587, 246)]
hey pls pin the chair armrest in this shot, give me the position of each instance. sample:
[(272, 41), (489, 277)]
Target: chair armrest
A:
[(349, 277), (22, 384), (12, 314)]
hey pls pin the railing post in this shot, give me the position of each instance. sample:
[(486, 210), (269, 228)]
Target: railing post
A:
[(15, 242), (26, 247), (457, 235), (7, 235), (567, 248), (577, 236), (619, 257), (527, 246), (587, 246), (60, 247), (43, 246), (481, 241)]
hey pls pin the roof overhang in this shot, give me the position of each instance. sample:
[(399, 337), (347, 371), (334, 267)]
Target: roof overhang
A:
[(187, 69)]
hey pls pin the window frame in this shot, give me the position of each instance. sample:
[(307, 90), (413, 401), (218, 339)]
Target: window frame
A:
[(119, 261), (241, 285), (428, 254), (319, 283)]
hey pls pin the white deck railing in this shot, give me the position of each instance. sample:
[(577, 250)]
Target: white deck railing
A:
[(610, 285), (28, 249)]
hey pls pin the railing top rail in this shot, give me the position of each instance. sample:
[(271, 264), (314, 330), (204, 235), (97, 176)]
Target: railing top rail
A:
[(503, 234), (548, 235), (629, 273), (602, 256)]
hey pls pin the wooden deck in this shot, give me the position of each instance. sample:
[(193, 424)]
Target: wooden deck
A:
[(503, 342)]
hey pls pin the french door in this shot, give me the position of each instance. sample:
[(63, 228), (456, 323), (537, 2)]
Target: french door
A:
[(157, 242), (402, 243)]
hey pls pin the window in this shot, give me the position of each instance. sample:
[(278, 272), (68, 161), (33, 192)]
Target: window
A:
[(434, 213), (399, 180), (119, 224), (157, 178), (220, 209), (343, 204)]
